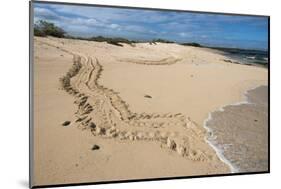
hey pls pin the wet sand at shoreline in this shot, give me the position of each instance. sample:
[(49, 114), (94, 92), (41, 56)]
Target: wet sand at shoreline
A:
[(241, 132)]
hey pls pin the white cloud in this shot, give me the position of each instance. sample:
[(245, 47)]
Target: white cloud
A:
[(144, 24), (45, 13), (114, 26), (184, 34)]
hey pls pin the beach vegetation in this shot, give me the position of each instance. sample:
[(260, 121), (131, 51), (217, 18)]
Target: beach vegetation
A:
[(43, 28), (113, 41), (192, 44), (159, 40)]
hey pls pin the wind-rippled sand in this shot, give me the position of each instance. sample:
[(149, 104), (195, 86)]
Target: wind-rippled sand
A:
[(143, 105)]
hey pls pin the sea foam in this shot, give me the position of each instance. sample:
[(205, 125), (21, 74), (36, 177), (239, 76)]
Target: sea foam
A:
[(210, 138)]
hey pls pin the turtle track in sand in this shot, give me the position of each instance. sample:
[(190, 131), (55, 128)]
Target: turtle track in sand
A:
[(165, 61), (105, 114)]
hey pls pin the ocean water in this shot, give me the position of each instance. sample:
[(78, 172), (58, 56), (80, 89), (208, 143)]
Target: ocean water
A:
[(239, 132), (245, 56)]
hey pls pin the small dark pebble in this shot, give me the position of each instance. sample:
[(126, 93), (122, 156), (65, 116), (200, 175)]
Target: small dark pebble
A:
[(66, 123), (227, 60), (255, 120), (76, 165), (147, 96), (92, 125), (95, 147)]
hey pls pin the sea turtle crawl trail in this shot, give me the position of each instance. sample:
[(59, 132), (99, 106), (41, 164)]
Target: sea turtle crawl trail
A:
[(103, 112)]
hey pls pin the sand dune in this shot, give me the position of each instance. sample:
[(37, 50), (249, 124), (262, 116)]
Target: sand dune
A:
[(147, 101)]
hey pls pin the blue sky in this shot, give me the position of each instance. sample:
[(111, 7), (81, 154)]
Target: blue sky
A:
[(208, 29)]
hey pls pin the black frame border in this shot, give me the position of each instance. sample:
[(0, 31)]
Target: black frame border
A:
[(31, 124)]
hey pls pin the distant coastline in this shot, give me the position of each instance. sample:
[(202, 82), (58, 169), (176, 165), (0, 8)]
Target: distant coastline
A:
[(239, 55), (245, 56)]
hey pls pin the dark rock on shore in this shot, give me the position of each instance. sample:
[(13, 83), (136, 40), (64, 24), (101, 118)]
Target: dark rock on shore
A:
[(66, 123)]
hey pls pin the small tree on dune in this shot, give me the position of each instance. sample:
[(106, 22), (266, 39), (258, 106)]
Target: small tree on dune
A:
[(44, 28)]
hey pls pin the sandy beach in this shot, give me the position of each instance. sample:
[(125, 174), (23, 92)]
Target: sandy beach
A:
[(104, 112)]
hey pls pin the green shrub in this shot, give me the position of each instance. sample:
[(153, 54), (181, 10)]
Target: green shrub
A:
[(38, 32), (114, 43), (192, 44), (162, 41), (44, 28)]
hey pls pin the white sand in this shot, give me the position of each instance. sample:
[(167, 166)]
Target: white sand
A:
[(184, 83)]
